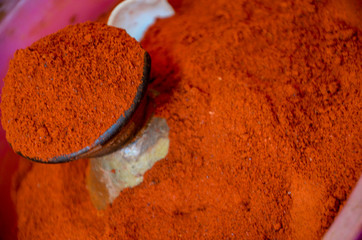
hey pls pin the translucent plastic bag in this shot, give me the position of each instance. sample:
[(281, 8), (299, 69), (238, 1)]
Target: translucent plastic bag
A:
[(109, 175)]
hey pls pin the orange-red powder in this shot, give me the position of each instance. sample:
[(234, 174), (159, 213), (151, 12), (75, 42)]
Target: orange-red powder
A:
[(65, 90), (263, 100)]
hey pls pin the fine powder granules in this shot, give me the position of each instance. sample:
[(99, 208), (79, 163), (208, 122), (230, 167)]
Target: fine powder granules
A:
[(64, 91), (263, 100)]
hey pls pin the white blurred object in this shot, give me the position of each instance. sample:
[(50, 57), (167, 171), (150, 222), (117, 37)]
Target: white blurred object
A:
[(348, 224), (136, 16)]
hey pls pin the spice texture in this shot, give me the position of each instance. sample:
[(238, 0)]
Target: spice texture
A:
[(65, 90), (263, 101)]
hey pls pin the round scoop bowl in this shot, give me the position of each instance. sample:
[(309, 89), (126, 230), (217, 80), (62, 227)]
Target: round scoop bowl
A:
[(135, 16), (125, 128)]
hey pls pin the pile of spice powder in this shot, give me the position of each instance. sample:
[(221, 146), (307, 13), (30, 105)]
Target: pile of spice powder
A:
[(263, 100), (65, 90)]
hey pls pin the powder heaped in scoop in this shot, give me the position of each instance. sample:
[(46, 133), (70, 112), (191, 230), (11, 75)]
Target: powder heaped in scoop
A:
[(68, 88)]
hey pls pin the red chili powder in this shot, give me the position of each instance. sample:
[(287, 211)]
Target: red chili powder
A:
[(67, 89), (263, 100)]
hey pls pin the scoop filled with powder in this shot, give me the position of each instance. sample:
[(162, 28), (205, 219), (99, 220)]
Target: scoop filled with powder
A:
[(65, 90)]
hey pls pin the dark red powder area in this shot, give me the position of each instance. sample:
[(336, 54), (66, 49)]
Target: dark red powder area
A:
[(68, 88)]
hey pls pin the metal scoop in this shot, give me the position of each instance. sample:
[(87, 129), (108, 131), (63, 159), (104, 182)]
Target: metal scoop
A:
[(119, 133)]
